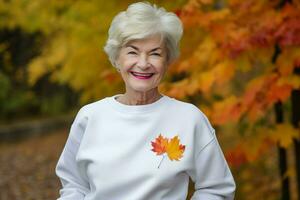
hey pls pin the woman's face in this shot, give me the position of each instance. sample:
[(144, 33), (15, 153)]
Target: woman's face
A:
[(143, 63)]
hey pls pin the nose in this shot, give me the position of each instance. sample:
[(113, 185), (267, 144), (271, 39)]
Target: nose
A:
[(142, 62)]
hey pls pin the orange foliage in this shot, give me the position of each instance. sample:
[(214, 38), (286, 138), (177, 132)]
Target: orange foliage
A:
[(238, 43), (249, 149)]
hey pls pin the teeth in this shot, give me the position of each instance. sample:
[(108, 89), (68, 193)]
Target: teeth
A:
[(138, 74)]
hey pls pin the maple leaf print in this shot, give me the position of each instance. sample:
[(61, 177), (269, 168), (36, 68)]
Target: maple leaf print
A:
[(160, 144), (175, 149), (172, 148)]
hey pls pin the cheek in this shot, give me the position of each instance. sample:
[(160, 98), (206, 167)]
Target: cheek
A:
[(125, 61), (128, 64), (162, 68)]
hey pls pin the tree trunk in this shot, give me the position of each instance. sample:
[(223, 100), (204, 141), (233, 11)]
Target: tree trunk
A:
[(295, 98), (285, 185)]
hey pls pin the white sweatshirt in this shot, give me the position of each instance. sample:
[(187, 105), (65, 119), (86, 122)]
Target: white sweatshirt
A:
[(110, 154)]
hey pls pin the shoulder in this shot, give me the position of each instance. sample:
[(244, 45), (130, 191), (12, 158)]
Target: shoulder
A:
[(89, 109), (182, 105), (192, 113), (188, 108)]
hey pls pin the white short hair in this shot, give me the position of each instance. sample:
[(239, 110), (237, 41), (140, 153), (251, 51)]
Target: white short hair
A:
[(142, 20)]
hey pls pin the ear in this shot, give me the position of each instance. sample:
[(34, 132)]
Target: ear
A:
[(117, 61), (116, 64)]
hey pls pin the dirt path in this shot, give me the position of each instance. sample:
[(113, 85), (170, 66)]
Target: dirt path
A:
[(27, 167)]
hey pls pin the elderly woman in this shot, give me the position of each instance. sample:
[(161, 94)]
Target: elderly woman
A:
[(143, 145)]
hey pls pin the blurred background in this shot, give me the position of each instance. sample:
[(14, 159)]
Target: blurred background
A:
[(239, 63)]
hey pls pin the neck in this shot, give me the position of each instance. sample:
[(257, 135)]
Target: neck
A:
[(139, 98)]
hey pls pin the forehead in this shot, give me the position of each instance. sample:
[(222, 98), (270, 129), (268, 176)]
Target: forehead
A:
[(146, 43)]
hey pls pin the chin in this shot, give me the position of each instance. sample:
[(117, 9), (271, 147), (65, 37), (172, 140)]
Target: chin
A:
[(141, 88)]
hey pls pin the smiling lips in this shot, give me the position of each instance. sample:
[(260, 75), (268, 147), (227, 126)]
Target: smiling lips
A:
[(142, 75)]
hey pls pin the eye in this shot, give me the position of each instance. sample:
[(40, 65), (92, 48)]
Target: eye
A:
[(156, 54), (131, 52)]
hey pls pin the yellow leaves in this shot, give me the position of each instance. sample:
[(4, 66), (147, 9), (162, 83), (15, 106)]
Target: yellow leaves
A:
[(247, 61), (205, 51), (284, 134), (260, 94), (253, 147), (220, 14), (206, 80), (174, 149), (220, 73), (179, 89), (249, 149), (53, 55), (292, 80), (110, 76), (194, 15), (36, 70), (206, 68), (286, 60), (205, 55), (224, 71), (206, 1), (171, 147), (228, 110)]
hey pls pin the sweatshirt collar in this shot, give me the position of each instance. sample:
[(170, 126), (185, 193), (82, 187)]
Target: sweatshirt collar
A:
[(137, 108)]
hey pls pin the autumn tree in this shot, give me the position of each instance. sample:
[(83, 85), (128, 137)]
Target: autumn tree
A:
[(243, 62)]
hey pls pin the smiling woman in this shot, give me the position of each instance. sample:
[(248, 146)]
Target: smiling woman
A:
[(142, 43), (143, 145)]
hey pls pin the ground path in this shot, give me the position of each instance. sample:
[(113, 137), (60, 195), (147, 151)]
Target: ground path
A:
[(27, 167)]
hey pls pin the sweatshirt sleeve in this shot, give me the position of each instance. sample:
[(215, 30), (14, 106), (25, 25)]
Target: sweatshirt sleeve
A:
[(74, 184), (210, 173)]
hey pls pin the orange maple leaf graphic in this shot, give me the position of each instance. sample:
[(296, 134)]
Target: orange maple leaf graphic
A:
[(172, 148), (160, 144)]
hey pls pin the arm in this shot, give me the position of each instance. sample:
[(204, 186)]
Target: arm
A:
[(210, 172), (74, 184), (212, 177)]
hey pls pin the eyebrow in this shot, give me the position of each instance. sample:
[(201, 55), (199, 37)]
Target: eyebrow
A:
[(134, 47)]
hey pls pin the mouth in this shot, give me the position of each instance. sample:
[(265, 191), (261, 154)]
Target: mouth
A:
[(142, 75)]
